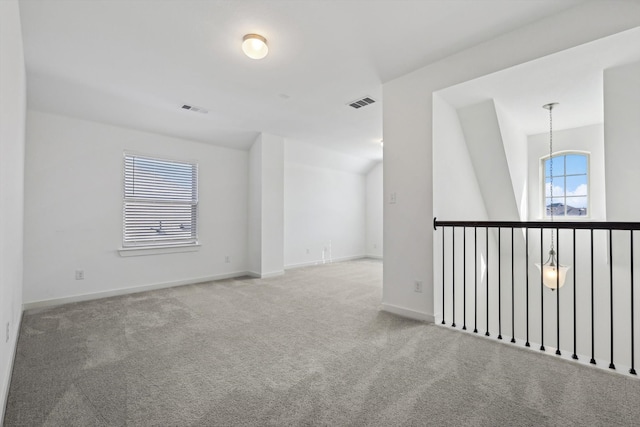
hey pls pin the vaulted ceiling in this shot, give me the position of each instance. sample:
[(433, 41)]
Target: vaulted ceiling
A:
[(135, 63), (574, 78)]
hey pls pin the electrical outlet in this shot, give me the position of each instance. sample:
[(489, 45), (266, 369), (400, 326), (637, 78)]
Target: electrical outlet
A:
[(227, 259), (392, 198), (375, 246), (79, 274), (307, 251), (418, 286), (7, 339)]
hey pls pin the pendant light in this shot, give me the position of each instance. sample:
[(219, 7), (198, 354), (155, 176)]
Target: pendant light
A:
[(553, 274)]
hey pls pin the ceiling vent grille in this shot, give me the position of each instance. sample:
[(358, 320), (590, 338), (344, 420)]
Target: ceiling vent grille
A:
[(194, 109), (362, 102)]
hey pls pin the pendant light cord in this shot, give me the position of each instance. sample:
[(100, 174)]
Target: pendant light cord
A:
[(551, 163)]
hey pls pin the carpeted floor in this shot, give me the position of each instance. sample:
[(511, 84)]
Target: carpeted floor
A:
[(307, 348)]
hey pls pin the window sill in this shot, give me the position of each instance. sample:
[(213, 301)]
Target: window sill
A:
[(151, 250)]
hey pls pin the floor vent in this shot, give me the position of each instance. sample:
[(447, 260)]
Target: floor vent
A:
[(362, 102), (194, 109)]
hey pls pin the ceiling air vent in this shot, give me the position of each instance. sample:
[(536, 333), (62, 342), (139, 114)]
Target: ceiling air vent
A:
[(362, 102), (194, 109)]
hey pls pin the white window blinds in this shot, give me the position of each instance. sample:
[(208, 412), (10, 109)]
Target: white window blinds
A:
[(160, 202)]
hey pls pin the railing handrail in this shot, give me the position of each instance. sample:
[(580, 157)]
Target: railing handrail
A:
[(572, 225)]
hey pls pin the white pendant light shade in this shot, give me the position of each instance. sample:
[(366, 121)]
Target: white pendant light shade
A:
[(551, 270), (255, 46)]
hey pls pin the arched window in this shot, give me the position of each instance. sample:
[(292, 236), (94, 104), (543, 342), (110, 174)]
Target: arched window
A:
[(570, 196)]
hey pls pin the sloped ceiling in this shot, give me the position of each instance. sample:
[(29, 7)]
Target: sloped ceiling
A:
[(573, 78), (135, 63)]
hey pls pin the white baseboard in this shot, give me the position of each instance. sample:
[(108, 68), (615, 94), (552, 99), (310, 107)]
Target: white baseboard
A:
[(374, 256), (265, 275), (12, 358), (583, 359), (124, 291), (411, 314), (320, 262)]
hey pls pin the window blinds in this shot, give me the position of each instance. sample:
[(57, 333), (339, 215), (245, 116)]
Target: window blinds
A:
[(160, 202)]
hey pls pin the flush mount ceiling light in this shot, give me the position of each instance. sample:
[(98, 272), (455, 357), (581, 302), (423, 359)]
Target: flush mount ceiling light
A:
[(255, 46)]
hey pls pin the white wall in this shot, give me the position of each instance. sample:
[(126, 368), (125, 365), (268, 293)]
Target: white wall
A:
[(255, 207), (73, 210), (324, 211), (487, 150), (588, 139), (272, 204), (12, 142), (622, 136), (266, 210), (408, 135), (373, 212), (515, 148), (456, 191), (314, 155), (622, 151)]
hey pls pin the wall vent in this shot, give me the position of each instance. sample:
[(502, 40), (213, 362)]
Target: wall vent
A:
[(194, 109), (362, 102)]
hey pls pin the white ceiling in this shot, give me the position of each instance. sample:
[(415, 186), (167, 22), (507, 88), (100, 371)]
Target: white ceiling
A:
[(573, 78), (135, 63)]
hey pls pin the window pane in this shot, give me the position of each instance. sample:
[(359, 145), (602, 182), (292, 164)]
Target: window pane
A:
[(558, 166), (547, 187), (558, 188), (557, 206), (577, 206), (160, 202), (147, 178), (576, 164), (148, 223), (547, 173), (577, 202), (577, 185)]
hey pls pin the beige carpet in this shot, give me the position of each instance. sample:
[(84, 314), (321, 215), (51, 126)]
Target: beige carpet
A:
[(307, 348)]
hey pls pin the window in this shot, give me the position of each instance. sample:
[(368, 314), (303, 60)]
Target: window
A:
[(570, 184), (160, 202)]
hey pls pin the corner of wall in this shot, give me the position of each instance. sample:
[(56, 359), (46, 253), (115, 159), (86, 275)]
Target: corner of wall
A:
[(12, 149)]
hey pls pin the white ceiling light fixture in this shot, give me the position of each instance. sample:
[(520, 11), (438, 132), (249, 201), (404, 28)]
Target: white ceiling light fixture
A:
[(255, 46)]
